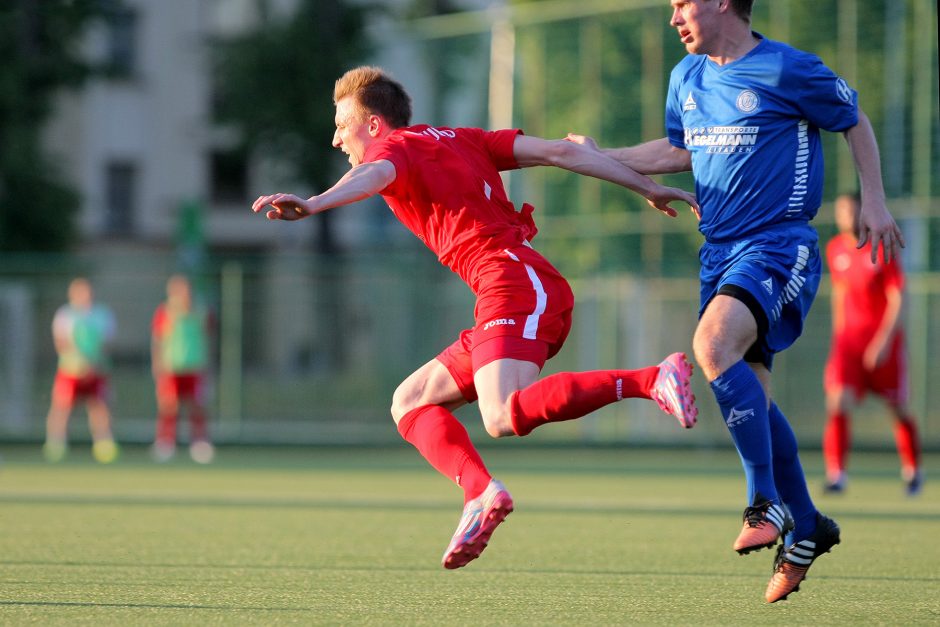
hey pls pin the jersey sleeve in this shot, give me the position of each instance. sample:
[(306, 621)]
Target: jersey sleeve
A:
[(395, 153), (675, 132), (831, 253), (499, 144), (159, 323), (893, 272), (62, 324), (824, 98)]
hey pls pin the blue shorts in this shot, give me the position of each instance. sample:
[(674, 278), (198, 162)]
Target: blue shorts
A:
[(775, 273)]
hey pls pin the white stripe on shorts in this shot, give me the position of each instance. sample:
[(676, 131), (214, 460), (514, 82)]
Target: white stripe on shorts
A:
[(541, 299)]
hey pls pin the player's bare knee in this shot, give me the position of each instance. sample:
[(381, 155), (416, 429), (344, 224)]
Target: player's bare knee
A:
[(497, 421), (707, 353), (402, 403), (499, 429)]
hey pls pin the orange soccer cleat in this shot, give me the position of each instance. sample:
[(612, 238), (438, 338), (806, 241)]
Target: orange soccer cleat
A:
[(765, 522), (792, 562)]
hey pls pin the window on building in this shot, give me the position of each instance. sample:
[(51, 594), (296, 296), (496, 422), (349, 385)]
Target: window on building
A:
[(122, 39), (228, 170), (120, 197)]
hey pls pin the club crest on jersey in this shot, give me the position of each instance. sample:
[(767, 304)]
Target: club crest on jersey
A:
[(747, 101), (690, 104), (843, 90), (842, 263)]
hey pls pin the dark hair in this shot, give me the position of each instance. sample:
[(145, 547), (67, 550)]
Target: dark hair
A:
[(376, 93), (742, 8)]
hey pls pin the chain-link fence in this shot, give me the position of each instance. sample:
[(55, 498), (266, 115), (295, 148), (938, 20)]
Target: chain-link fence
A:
[(311, 349)]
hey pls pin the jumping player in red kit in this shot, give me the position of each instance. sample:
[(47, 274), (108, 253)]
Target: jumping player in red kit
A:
[(867, 351), (444, 185)]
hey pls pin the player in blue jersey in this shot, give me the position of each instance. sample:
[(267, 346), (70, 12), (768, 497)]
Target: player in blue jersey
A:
[(744, 113)]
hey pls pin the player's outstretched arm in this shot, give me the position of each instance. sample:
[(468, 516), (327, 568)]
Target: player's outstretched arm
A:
[(875, 222), (653, 157), (362, 181), (587, 160)]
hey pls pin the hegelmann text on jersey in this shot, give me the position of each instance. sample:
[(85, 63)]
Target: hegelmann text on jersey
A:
[(723, 139), (436, 133), (498, 322)]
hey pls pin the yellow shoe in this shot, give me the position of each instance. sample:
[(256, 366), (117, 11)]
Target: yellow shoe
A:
[(54, 452), (105, 451)]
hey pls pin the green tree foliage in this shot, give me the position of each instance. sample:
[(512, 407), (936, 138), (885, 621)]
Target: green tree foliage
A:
[(276, 86), (445, 61), (605, 75), (38, 44)]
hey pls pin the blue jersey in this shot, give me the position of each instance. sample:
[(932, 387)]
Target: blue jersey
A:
[(752, 127)]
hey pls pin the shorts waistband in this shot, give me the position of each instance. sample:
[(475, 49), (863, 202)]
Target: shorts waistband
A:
[(773, 228)]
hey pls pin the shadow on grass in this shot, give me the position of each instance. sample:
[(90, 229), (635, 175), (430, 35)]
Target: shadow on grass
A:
[(406, 505), (157, 606)]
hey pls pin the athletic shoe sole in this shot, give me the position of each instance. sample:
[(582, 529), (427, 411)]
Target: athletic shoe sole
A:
[(672, 390), (793, 562), (754, 539), (469, 547), (757, 534)]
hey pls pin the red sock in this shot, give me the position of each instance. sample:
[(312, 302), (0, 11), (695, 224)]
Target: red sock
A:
[(836, 444), (444, 442), (905, 436), (197, 425), (570, 395), (166, 428)]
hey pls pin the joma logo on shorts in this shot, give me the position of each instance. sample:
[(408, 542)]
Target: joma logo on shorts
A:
[(499, 321)]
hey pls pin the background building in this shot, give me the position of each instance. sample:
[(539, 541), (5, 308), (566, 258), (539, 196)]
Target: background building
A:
[(313, 354)]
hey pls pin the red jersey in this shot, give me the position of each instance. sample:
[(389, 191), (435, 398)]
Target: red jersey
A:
[(448, 192), (866, 284)]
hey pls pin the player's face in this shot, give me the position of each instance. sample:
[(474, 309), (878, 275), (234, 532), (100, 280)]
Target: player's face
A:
[(846, 210), (178, 293), (352, 134), (697, 23), (80, 294)]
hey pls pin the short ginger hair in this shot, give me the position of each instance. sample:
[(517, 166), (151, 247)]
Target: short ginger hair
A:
[(376, 93)]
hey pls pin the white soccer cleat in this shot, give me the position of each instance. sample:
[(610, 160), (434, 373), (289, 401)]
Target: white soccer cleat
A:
[(202, 452), (480, 518), (672, 390)]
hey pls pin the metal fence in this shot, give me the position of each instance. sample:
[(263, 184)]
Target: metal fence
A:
[(314, 354), (311, 349)]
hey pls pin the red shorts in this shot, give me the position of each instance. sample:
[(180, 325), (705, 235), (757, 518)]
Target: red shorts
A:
[(67, 388), (523, 311), (181, 386), (844, 369)]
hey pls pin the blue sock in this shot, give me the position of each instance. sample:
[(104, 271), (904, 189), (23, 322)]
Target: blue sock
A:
[(788, 473), (744, 407)]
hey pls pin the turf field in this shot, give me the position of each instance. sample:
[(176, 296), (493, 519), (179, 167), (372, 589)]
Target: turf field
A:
[(349, 536)]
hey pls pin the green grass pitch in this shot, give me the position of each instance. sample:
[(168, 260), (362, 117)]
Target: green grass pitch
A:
[(354, 537)]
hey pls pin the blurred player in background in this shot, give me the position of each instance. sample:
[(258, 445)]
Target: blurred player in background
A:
[(81, 331), (180, 355), (444, 185), (743, 113), (867, 351)]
